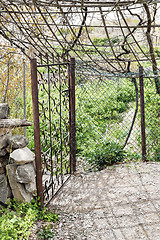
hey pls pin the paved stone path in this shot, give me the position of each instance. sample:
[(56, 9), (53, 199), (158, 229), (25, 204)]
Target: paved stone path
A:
[(122, 202)]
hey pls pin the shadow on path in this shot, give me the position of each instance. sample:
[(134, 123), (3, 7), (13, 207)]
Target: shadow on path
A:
[(122, 202)]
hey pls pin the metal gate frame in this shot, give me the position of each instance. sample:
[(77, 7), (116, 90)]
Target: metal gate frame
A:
[(36, 121), (72, 131)]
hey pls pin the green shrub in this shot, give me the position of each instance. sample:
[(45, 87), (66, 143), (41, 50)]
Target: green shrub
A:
[(105, 154), (152, 120), (157, 153), (105, 41), (100, 41), (100, 110), (46, 233), (17, 220)]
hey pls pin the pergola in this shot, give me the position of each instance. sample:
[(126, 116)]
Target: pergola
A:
[(108, 39), (112, 35)]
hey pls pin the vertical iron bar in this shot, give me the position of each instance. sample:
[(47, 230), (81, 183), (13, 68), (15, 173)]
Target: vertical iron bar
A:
[(60, 99), (34, 83), (50, 122), (72, 116), (24, 93), (142, 113)]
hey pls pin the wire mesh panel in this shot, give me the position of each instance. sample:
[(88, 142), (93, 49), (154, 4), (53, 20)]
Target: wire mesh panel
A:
[(54, 126), (106, 115), (152, 116), (15, 88), (13, 72)]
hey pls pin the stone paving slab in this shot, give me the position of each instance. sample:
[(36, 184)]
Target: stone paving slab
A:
[(121, 202)]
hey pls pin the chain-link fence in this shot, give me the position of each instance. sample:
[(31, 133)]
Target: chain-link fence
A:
[(15, 87), (108, 117), (152, 116)]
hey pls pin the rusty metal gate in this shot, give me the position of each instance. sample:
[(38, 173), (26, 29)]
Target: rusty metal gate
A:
[(53, 95)]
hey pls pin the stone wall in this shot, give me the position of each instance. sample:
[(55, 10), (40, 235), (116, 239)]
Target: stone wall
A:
[(17, 163)]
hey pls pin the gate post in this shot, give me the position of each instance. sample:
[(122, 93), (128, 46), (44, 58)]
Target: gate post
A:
[(72, 116), (34, 83), (143, 135)]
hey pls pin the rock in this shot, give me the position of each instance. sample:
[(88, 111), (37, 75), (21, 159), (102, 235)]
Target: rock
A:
[(8, 149), (17, 141), (5, 160), (2, 169), (4, 131), (25, 173), (18, 189), (4, 110), (22, 156), (3, 188), (34, 164), (10, 195), (31, 187), (3, 140), (3, 152), (12, 123)]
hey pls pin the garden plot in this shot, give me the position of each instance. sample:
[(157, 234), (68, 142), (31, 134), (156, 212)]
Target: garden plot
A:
[(104, 114)]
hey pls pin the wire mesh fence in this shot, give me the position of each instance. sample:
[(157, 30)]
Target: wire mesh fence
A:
[(108, 117), (152, 118), (15, 87)]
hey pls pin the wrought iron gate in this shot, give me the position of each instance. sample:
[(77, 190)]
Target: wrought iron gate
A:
[(53, 94)]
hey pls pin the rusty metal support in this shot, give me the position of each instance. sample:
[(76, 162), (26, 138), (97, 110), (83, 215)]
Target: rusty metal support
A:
[(143, 135), (34, 83), (72, 116), (24, 93)]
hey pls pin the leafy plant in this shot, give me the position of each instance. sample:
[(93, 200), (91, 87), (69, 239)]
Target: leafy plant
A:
[(17, 220), (105, 154), (46, 233), (152, 120), (100, 109), (100, 41), (104, 41)]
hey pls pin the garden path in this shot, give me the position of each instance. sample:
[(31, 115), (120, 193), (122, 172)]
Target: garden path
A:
[(121, 202), (132, 143)]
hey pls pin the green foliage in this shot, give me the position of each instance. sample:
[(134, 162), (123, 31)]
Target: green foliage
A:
[(105, 154), (157, 51), (63, 31), (104, 41), (100, 41), (100, 109), (152, 119), (46, 233), (126, 93), (18, 218), (157, 152)]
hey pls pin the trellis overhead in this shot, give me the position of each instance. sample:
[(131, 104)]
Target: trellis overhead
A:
[(113, 35)]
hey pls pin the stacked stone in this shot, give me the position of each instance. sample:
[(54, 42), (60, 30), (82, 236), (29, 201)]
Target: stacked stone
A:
[(17, 164), (4, 156)]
